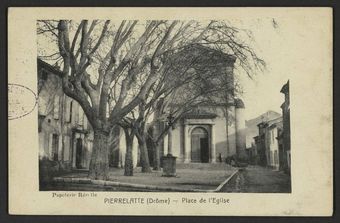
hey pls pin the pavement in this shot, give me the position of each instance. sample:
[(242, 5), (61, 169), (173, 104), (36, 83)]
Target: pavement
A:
[(190, 178), (193, 177), (256, 179)]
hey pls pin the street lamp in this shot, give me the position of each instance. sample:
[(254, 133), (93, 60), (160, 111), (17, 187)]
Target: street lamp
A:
[(169, 161), (171, 119)]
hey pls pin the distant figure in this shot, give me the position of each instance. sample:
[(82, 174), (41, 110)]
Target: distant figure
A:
[(220, 157), (232, 162)]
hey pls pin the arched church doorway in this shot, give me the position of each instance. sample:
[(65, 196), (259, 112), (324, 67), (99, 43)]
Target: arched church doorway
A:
[(79, 153), (199, 145)]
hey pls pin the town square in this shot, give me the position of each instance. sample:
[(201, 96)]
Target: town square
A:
[(161, 105)]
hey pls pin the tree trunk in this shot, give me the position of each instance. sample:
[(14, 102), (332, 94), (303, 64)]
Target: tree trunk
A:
[(114, 147), (157, 163), (99, 165), (128, 167), (144, 155), (155, 148)]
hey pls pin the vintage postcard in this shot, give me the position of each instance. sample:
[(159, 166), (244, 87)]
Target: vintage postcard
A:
[(170, 111)]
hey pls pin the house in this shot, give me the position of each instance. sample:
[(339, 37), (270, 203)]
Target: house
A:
[(272, 144), (65, 135), (260, 145), (267, 144), (252, 131), (272, 148), (285, 135)]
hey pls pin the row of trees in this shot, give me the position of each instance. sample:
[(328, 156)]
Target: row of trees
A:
[(129, 73)]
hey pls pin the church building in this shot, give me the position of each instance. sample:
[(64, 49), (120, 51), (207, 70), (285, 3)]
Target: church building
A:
[(207, 136), (212, 131)]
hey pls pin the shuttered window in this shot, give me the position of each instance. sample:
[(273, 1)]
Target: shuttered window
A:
[(50, 139), (56, 105), (85, 122), (55, 147), (68, 110), (81, 116), (67, 147)]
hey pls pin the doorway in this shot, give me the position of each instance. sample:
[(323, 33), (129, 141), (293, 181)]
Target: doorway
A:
[(199, 145), (55, 147), (79, 153)]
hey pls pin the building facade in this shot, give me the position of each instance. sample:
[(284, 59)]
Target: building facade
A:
[(65, 135), (252, 131), (214, 130), (267, 143), (272, 148), (272, 144), (285, 136), (205, 136)]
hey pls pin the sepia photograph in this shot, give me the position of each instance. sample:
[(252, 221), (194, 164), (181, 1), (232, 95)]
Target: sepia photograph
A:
[(160, 105), (170, 111)]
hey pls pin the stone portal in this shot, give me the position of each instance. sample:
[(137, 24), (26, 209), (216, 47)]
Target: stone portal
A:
[(199, 145)]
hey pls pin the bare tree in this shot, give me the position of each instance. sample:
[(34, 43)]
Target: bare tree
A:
[(93, 96), (201, 81), (100, 60), (129, 136), (172, 75), (192, 76), (171, 43)]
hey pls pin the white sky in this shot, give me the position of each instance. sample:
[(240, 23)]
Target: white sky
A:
[(263, 92)]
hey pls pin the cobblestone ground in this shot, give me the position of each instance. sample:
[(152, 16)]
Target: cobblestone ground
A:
[(255, 179)]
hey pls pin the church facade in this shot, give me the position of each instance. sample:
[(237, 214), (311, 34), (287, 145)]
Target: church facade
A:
[(215, 129), (204, 136), (209, 135)]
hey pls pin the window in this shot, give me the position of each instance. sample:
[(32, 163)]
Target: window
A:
[(85, 122), (56, 107), (68, 111), (268, 137), (67, 147), (80, 116), (55, 147)]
